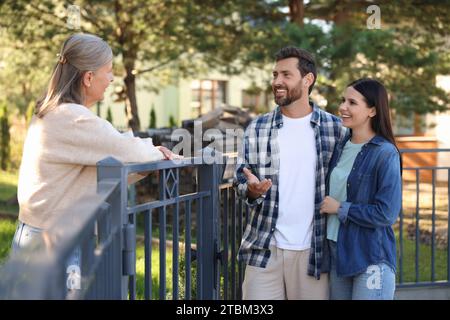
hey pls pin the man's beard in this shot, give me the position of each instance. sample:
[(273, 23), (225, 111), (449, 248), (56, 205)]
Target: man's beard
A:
[(291, 95)]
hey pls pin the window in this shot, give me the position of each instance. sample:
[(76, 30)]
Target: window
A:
[(207, 95), (409, 125)]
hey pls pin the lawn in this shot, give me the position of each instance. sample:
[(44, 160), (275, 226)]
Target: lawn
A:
[(7, 229), (409, 262), (8, 188), (140, 272)]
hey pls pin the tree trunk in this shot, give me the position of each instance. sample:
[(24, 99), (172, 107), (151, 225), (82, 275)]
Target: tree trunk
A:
[(296, 11), (342, 13), (131, 108), (125, 38)]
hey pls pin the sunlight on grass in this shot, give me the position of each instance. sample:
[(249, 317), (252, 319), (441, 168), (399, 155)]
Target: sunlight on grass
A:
[(7, 229), (8, 184), (8, 187), (140, 272), (409, 262)]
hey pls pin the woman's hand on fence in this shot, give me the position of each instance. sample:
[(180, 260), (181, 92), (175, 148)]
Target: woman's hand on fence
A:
[(329, 205), (168, 155)]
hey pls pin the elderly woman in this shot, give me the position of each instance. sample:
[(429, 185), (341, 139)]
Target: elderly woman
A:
[(65, 139)]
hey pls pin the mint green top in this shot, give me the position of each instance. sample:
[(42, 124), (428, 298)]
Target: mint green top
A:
[(338, 184)]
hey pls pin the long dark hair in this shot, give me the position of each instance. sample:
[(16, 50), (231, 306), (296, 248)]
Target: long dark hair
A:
[(376, 96)]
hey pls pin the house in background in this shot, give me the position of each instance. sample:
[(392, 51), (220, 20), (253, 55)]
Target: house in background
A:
[(189, 98), (430, 131)]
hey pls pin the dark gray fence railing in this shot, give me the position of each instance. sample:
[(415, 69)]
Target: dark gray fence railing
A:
[(39, 271), (199, 232), (420, 236), (199, 210)]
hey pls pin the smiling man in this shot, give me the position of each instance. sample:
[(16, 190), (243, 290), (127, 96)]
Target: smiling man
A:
[(281, 173)]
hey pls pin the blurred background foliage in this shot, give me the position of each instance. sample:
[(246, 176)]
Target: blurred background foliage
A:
[(162, 40)]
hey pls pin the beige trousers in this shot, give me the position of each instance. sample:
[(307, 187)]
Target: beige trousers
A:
[(285, 277)]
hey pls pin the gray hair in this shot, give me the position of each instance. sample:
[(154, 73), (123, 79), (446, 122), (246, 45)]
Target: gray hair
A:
[(79, 54)]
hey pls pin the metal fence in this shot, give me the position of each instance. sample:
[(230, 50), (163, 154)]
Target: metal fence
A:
[(193, 237), (104, 226), (415, 237), (39, 271)]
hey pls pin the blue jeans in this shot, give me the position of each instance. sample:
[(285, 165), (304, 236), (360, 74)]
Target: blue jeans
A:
[(24, 235), (376, 283)]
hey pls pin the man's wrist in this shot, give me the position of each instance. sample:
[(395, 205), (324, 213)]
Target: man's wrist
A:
[(253, 196)]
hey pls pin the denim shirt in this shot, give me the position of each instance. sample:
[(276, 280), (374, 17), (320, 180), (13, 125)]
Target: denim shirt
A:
[(374, 200)]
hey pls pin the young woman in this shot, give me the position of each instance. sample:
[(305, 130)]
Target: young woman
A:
[(65, 140), (364, 188)]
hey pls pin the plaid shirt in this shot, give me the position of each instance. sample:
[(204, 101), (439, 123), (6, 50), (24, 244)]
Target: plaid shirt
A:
[(261, 155)]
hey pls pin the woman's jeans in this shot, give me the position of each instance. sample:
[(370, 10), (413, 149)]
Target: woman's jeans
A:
[(376, 283), (24, 235)]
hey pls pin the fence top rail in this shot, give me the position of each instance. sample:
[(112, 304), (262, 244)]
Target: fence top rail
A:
[(423, 150), (163, 164), (426, 168), (158, 165)]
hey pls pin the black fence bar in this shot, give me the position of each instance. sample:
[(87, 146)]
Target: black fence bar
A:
[(417, 253), (402, 252), (187, 251), (148, 290), (225, 201), (233, 245), (175, 235), (238, 240), (200, 250), (448, 225), (433, 226), (162, 236)]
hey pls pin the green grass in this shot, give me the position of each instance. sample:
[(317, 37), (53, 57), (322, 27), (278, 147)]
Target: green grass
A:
[(8, 184), (8, 187), (409, 262), (140, 272), (7, 229)]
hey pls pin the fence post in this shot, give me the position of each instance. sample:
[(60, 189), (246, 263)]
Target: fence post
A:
[(208, 180), (108, 169)]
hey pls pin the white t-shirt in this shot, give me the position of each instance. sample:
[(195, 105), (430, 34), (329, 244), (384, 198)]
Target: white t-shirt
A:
[(297, 182)]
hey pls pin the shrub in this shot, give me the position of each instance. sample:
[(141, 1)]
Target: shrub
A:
[(152, 121), (172, 122), (5, 151), (109, 116)]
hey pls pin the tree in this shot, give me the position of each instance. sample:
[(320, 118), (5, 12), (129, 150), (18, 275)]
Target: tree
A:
[(406, 54), (146, 36), (169, 39)]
